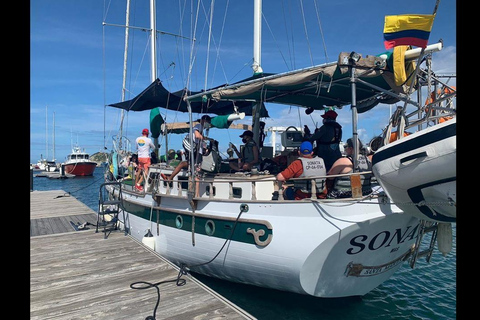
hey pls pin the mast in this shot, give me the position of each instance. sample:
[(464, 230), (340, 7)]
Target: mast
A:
[(46, 132), (127, 23), (153, 47), (256, 66), (53, 157), (257, 37), (153, 50)]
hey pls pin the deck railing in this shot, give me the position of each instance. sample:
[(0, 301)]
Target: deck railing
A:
[(260, 187)]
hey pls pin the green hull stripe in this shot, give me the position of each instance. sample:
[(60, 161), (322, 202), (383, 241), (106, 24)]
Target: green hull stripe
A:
[(219, 228)]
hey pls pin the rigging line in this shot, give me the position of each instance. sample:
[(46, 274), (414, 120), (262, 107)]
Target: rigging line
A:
[(142, 60), (104, 88), (299, 117), (194, 32), (217, 47), (313, 121), (212, 4), (248, 63), (321, 31), (306, 32), (275, 40), (105, 10), (127, 115), (181, 54), (209, 42), (184, 267), (219, 44), (290, 50)]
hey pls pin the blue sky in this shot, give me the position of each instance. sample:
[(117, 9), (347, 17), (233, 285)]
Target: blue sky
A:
[(76, 63)]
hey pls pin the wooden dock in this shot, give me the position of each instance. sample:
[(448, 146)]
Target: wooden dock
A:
[(80, 275)]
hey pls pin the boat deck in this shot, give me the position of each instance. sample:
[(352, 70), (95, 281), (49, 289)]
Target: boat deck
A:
[(80, 275)]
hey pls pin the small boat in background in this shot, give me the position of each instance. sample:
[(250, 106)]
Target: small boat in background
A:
[(47, 165), (78, 163)]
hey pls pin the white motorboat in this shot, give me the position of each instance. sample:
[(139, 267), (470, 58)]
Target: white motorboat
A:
[(419, 172)]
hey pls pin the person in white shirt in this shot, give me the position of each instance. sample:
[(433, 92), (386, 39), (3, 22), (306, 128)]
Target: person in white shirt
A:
[(144, 144)]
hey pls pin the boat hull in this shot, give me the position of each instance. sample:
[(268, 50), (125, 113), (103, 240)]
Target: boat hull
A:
[(81, 168), (323, 250), (418, 172)]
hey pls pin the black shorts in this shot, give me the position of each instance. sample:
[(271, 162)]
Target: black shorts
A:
[(197, 157)]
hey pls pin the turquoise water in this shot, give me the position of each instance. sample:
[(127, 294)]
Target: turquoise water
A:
[(426, 292)]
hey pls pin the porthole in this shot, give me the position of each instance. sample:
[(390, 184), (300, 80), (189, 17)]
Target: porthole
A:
[(179, 221), (210, 227)]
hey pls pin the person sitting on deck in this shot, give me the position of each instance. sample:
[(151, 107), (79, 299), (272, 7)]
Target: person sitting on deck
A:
[(340, 187), (132, 165), (249, 156), (197, 151), (307, 165)]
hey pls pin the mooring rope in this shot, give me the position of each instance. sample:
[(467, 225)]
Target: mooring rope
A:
[(183, 269)]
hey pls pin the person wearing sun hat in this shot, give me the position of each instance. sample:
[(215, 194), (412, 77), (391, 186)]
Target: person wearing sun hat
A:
[(327, 138), (249, 156), (144, 144), (307, 165)]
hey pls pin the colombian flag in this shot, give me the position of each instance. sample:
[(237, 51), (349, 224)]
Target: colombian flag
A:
[(408, 29)]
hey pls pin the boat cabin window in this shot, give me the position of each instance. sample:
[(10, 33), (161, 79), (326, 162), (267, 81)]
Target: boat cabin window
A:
[(237, 192), (184, 182), (207, 189)]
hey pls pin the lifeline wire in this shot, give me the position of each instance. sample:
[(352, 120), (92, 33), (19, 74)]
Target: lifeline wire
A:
[(88, 185), (183, 270)]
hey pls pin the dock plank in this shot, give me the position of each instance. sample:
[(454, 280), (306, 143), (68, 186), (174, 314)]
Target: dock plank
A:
[(55, 203), (81, 275)]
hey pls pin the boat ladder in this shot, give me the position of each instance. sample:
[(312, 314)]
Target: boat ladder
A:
[(109, 208), (424, 228)]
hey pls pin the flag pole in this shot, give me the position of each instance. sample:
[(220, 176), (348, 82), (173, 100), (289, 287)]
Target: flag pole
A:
[(401, 124), (436, 7)]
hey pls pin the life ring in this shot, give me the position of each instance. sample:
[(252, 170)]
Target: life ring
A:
[(432, 98), (393, 135)]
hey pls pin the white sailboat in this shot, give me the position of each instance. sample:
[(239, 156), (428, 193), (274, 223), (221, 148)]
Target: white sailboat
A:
[(45, 164), (228, 225)]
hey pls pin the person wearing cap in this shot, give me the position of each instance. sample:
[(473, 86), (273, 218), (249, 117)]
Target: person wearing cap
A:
[(339, 187), (144, 144), (249, 156), (327, 139), (180, 154), (307, 165), (197, 151)]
